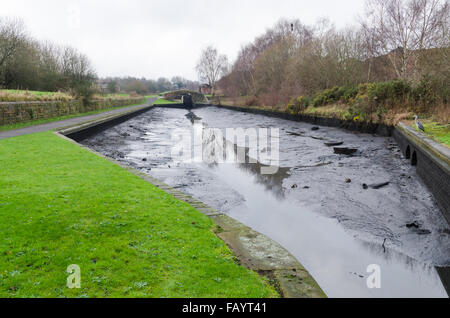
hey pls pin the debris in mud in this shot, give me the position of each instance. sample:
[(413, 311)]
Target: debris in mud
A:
[(290, 133), (145, 159), (315, 128), (306, 187), (379, 185), (345, 151), (365, 186), (334, 143), (322, 164), (415, 228), (422, 232), (413, 225), (294, 186), (356, 274), (348, 180), (192, 117)]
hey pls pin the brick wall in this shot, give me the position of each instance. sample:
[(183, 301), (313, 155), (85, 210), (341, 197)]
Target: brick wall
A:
[(432, 170), (20, 112)]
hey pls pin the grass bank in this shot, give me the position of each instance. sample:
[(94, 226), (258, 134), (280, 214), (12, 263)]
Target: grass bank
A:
[(62, 205), (13, 95), (438, 132), (162, 101)]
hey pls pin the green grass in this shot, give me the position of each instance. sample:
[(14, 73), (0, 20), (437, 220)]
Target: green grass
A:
[(440, 133), (62, 205), (163, 101), (50, 120)]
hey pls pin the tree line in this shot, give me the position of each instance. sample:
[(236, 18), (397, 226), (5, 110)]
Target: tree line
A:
[(147, 86), (26, 63), (406, 40), (29, 64)]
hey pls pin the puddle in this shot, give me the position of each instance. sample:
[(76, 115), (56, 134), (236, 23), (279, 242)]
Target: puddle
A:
[(334, 227)]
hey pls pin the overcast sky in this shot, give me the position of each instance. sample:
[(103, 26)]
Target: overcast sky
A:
[(156, 38)]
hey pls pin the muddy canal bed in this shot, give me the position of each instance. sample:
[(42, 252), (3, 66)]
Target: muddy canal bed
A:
[(317, 205)]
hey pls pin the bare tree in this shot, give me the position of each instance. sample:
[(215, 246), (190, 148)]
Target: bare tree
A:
[(12, 36), (211, 66), (402, 29)]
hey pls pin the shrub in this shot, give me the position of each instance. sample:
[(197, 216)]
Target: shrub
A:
[(424, 93), (361, 108), (392, 92), (251, 101), (298, 105), (83, 90), (336, 94), (319, 100), (349, 93)]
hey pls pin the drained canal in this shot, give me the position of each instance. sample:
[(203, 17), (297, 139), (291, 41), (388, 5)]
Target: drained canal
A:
[(319, 205)]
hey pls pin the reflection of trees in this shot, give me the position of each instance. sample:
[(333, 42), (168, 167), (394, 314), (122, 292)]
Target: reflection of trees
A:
[(192, 117), (272, 182), (215, 153)]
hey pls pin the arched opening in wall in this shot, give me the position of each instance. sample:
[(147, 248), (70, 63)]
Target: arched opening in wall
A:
[(408, 153), (414, 159)]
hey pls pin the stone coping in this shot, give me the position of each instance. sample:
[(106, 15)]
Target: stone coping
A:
[(439, 152), (95, 122)]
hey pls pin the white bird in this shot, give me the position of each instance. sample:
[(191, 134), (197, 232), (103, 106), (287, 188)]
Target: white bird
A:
[(419, 124)]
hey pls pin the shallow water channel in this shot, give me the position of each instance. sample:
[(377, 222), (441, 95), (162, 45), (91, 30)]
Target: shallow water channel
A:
[(314, 205)]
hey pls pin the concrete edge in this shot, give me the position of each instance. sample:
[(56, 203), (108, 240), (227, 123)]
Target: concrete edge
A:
[(435, 150), (67, 130), (252, 250)]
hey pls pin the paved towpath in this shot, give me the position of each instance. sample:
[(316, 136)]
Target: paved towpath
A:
[(68, 122)]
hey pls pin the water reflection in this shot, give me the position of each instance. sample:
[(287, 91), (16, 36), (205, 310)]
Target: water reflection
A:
[(217, 149)]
